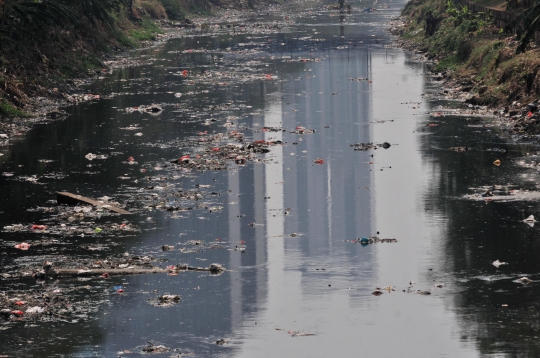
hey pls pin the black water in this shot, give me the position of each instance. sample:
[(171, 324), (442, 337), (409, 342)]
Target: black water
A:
[(303, 215)]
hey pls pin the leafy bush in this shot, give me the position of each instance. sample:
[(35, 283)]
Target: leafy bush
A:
[(174, 9)]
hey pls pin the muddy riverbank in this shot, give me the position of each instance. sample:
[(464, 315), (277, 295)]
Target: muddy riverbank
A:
[(476, 60), (44, 104)]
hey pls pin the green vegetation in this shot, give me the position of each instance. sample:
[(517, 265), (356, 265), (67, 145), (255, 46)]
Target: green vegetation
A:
[(480, 56), (9, 110), (525, 24), (47, 41), (174, 9)]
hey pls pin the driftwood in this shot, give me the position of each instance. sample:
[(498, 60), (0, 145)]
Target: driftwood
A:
[(49, 271), (63, 197)]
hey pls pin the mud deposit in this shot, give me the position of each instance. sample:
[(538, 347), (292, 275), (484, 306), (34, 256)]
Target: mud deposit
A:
[(299, 187)]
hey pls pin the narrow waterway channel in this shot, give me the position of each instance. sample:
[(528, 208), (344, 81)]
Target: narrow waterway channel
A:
[(296, 285)]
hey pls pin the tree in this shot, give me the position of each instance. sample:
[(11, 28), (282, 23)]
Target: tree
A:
[(525, 25)]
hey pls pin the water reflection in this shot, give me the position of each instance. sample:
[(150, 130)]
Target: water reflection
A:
[(299, 271)]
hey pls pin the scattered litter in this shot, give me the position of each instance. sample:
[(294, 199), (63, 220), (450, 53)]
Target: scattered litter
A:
[(530, 221), (420, 292), (22, 246), (35, 309), (524, 280), (373, 240), (497, 162), (300, 334), (152, 109), (165, 300), (152, 348), (368, 146), (91, 156), (497, 263)]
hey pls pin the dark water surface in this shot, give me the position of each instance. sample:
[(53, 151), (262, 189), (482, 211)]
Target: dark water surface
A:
[(304, 214)]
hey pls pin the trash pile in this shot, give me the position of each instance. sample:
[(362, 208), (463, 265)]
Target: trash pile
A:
[(77, 98), (216, 156), (369, 146), (152, 109), (31, 306), (373, 240), (164, 301), (524, 120), (502, 193), (152, 348), (71, 226), (47, 305)]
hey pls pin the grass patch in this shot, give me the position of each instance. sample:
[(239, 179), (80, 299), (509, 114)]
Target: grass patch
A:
[(484, 58), (174, 9), (147, 31), (450, 62), (8, 110)]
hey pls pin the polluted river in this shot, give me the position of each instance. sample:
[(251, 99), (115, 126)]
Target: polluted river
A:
[(297, 186)]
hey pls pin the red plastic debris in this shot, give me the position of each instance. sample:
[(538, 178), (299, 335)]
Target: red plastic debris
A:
[(123, 225), (319, 161), (202, 133), (185, 73), (131, 159), (268, 76), (39, 227), (370, 163), (22, 246), (105, 275), (121, 290), (529, 114), (215, 149), (242, 242), (143, 170), (20, 303), (17, 312), (184, 159)]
